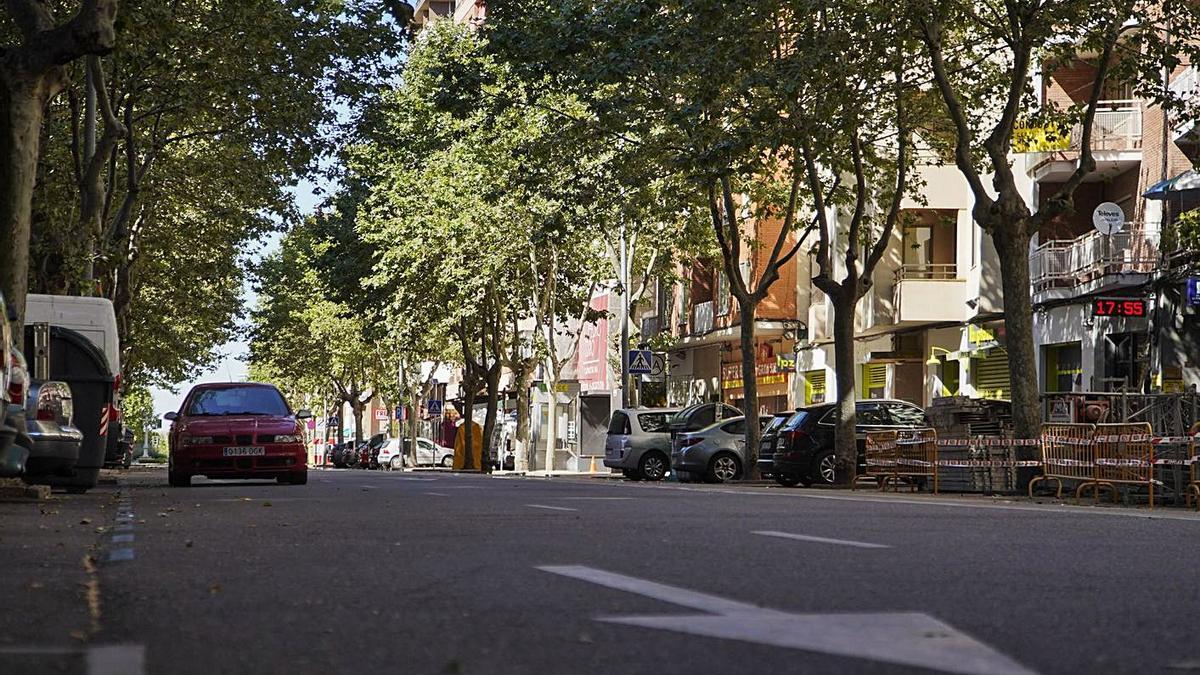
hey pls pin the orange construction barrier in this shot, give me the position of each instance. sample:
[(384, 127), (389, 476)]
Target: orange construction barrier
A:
[(1067, 454), (1124, 453), (880, 450), (917, 457)]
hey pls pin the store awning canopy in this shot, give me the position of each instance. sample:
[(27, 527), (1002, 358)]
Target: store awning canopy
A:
[(1188, 181)]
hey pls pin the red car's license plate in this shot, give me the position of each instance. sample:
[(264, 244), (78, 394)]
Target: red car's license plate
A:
[(245, 452)]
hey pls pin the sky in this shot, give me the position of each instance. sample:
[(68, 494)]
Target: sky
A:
[(232, 366)]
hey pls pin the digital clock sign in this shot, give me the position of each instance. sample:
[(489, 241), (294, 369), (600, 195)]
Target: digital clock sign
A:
[(1134, 307)]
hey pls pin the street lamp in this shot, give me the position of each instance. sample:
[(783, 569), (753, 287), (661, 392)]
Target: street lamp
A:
[(933, 359)]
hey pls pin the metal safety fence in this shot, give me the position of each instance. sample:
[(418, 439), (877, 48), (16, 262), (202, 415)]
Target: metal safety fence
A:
[(1193, 488), (898, 458), (1124, 454), (1067, 455)]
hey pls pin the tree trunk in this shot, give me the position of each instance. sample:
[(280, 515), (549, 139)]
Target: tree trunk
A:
[(413, 423), (22, 103), (747, 308), (1013, 250), (489, 423), (359, 408), (845, 444), (468, 419), (522, 450)]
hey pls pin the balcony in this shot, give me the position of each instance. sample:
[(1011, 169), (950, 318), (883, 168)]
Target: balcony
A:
[(1116, 144), (929, 293), (1186, 87), (1093, 262)]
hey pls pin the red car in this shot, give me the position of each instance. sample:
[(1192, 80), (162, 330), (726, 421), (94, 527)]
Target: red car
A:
[(237, 430)]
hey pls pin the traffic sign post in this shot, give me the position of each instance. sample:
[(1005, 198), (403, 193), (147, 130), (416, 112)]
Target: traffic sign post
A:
[(641, 362)]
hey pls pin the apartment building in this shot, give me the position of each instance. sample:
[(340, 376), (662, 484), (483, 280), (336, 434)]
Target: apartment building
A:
[(460, 11), (1110, 298)]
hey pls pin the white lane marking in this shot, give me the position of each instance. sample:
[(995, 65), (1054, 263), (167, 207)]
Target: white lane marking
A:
[(599, 499), (438, 494), (904, 638), (368, 487), (122, 538), (652, 589), (819, 540), (116, 660), (417, 480), (551, 508), (119, 554)]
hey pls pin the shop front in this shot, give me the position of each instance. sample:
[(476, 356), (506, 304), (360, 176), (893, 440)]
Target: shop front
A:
[(773, 377)]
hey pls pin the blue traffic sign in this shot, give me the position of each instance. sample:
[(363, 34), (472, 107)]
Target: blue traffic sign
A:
[(641, 362), (434, 408), (1193, 291)]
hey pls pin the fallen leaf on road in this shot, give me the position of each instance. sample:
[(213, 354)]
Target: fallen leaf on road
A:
[(101, 529), (245, 499), (266, 503), (86, 521), (162, 514), (214, 589), (36, 584), (188, 543), (79, 635)]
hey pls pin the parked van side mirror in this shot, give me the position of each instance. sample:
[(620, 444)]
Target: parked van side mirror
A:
[(171, 416), (303, 414)]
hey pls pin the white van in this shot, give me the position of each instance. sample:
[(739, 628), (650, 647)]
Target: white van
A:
[(85, 353), (94, 318)]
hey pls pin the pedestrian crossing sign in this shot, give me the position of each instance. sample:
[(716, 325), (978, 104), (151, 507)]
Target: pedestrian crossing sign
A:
[(641, 362)]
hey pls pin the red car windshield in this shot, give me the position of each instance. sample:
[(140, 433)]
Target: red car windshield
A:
[(237, 401)]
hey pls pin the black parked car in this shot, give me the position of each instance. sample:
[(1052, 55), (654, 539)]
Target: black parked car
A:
[(768, 442), (805, 452)]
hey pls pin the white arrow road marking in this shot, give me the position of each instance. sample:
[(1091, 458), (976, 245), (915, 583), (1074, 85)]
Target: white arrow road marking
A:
[(819, 540), (906, 638), (552, 508)]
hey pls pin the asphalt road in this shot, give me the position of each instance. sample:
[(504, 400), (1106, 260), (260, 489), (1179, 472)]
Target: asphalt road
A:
[(363, 572)]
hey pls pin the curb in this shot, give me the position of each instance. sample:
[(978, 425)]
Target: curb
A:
[(24, 493)]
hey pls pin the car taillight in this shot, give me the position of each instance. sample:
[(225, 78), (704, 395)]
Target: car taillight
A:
[(795, 435), (16, 383), (45, 414)]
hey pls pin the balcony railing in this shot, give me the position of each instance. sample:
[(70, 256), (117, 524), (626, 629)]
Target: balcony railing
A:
[(1067, 264), (702, 318), (1118, 126), (1186, 87), (927, 271)]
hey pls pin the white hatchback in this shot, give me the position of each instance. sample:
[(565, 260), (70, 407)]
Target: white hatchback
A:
[(428, 454)]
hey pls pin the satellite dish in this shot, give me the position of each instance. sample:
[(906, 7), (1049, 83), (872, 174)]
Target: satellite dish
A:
[(1108, 218)]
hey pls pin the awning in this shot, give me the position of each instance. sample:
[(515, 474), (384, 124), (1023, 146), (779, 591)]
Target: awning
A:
[(1188, 181)]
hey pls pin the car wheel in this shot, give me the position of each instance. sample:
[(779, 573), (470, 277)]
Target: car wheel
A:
[(631, 474), (298, 478), (824, 468), (397, 463), (654, 466), (448, 462), (178, 480), (723, 467), (788, 479)]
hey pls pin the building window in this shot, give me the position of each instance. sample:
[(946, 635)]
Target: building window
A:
[(1126, 361), (722, 294), (1064, 367)]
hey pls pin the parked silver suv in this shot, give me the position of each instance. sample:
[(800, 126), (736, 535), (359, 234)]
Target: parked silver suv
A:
[(639, 442)]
